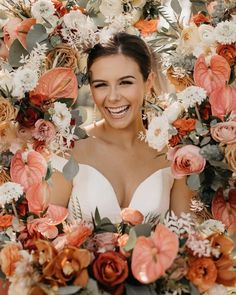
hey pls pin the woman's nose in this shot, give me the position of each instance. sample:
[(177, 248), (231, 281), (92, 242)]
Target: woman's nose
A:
[(113, 94)]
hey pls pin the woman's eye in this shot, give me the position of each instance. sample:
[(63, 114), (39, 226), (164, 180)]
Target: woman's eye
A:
[(126, 82), (99, 85)]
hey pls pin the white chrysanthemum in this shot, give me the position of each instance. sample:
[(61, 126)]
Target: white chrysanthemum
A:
[(157, 134), (25, 79), (191, 96), (225, 32), (173, 111), (62, 116), (73, 19), (217, 290), (6, 80), (10, 191), (111, 7), (211, 226), (42, 9), (138, 3)]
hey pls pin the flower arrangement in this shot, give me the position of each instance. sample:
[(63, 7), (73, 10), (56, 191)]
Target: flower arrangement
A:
[(175, 256), (197, 122)]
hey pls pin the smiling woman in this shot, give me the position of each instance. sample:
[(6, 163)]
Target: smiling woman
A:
[(116, 168)]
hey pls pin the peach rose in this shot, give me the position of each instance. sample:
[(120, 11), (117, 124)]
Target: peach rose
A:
[(230, 156), (3, 50), (44, 130), (44, 253), (4, 177), (7, 111), (186, 160), (202, 273), (180, 82), (228, 51), (9, 255), (132, 216), (5, 221), (224, 132), (110, 269)]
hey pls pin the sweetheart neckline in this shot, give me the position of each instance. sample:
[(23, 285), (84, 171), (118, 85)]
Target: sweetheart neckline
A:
[(111, 186)]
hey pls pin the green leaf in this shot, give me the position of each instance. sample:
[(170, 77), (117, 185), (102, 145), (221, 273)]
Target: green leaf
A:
[(220, 164), (70, 169), (131, 241), (93, 6), (97, 216), (205, 140), (143, 229), (176, 7), (194, 290), (15, 53), (139, 290), (37, 34), (68, 101), (81, 133), (68, 290), (49, 172), (193, 181)]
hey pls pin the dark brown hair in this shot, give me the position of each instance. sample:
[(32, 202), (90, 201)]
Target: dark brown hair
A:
[(129, 45)]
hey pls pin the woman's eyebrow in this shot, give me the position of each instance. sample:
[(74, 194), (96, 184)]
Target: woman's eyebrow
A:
[(121, 78)]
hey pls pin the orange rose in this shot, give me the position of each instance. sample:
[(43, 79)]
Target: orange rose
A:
[(184, 125), (146, 27), (9, 255), (69, 264), (132, 216), (5, 221), (200, 18), (228, 51), (110, 269), (45, 252), (202, 273)]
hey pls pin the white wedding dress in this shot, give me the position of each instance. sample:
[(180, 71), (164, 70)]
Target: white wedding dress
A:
[(92, 189)]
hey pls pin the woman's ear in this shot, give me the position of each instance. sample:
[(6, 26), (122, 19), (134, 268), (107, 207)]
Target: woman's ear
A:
[(150, 81)]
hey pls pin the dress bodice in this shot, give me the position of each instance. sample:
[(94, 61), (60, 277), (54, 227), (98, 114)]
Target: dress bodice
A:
[(92, 189)]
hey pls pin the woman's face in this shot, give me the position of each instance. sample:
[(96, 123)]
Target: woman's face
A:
[(118, 89)]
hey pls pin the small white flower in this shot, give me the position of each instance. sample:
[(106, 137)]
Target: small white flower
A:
[(173, 111), (206, 33), (6, 80), (199, 247), (111, 7), (25, 79), (211, 226), (10, 191), (157, 134), (42, 9), (225, 32), (62, 116), (191, 96), (217, 290)]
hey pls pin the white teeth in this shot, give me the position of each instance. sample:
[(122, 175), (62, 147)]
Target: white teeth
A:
[(118, 109)]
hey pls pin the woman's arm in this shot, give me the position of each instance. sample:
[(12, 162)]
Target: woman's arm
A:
[(181, 195), (60, 189)]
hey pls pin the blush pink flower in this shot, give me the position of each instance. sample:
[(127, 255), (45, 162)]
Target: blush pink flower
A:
[(10, 31), (212, 76), (152, 256), (223, 102), (3, 50), (224, 132), (132, 216), (44, 130), (106, 241), (186, 161)]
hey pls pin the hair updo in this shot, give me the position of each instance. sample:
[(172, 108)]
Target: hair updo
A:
[(129, 45)]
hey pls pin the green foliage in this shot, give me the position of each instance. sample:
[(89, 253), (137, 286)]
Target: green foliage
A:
[(15, 53), (37, 34), (70, 169)]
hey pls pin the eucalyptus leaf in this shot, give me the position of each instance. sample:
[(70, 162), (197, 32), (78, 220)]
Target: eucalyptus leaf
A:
[(70, 169), (68, 101), (220, 164), (131, 241), (81, 133), (99, 20), (15, 53), (37, 34), (97, 216), (194, 290), (193, 181), (176, 6), (139, 290), (68, 290), (205, 140), (143, 229)]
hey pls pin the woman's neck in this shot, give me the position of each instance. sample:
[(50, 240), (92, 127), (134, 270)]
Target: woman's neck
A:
[(126, 137)]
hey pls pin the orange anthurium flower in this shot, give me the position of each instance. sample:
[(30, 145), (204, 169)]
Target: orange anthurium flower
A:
[(56, 83), (225, 273), (225, 244), (225, 210), (154, 255), (213, 76), (28, 171)]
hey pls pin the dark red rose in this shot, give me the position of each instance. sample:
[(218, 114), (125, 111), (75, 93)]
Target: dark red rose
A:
[(200, 18), (28, 117)]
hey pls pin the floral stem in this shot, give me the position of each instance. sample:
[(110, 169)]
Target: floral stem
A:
[(197, 113), (14, 210)]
